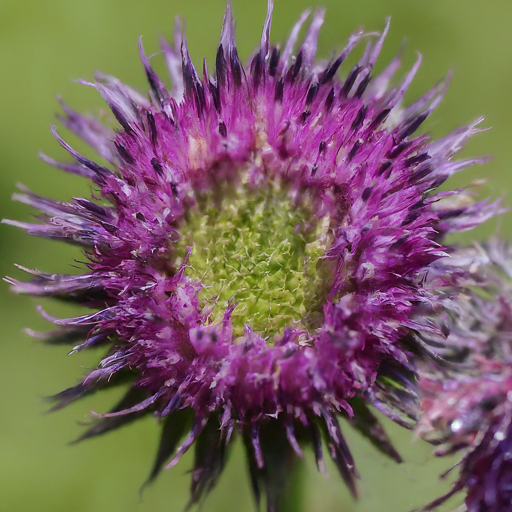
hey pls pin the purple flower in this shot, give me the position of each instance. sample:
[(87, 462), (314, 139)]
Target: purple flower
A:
[(256, 251), (466, 390)]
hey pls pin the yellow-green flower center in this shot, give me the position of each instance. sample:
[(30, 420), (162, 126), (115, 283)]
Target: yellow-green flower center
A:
[(255, 248)]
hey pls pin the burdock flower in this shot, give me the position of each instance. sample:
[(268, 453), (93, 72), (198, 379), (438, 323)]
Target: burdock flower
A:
[(255, 251)]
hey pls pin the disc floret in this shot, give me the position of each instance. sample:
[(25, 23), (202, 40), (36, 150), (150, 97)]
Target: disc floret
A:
[(257, 248)]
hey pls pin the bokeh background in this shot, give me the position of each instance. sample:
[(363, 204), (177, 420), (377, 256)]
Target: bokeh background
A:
[(44, 46)]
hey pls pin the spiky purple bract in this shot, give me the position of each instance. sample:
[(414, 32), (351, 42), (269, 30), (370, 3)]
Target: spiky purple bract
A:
[(338, 157)]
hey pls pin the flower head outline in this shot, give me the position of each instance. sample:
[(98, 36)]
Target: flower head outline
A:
[(364, 215)]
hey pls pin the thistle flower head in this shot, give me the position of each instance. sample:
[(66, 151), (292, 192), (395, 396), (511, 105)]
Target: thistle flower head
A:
[(256, 249), (466, 401)]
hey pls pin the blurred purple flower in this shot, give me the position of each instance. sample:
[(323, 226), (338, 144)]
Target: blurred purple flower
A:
[(258, 251), (467, 394)]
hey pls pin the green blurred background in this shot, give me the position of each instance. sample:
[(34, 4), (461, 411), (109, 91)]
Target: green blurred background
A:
[(44, 45)]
